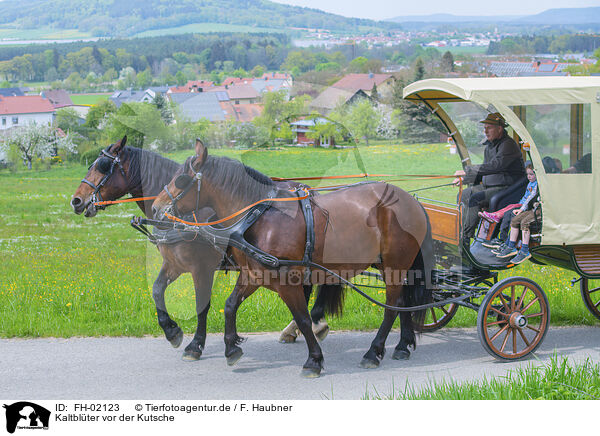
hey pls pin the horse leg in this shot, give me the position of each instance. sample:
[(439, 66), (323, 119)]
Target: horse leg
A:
[(194, 349), (240, 292), (292, 297), (203, 275), (373, 356), (173, 332), (407, 337), (291, 332), (319, 324)]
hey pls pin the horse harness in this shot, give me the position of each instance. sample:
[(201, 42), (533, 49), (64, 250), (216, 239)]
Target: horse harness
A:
[(233, 235), (115, 161)]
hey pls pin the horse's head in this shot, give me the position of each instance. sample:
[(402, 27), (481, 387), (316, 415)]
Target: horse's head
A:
[(183, 193), (105, 180)]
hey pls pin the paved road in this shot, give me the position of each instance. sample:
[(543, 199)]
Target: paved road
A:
[(148, 368)]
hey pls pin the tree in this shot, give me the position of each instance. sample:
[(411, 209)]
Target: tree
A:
[(447, 62), (278, 112), (163, 106), (67, 119), (142, 124), (362, 120), (98, 113), (374, 93), (324, 130), (358, 65), (33, 140), (419, 69)]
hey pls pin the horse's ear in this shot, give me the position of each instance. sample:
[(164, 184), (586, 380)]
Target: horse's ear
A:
[(201, 154), (116, 149)]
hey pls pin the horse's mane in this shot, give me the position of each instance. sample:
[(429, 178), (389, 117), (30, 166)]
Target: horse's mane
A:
[(243, 182), (148, 171)]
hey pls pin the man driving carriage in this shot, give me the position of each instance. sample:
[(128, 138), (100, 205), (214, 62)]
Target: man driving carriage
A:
[(502, 166)]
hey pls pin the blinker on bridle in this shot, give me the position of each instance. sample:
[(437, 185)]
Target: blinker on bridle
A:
[(115, 161), (185, 182)]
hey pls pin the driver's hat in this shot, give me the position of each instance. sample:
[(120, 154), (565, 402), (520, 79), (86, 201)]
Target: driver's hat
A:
[(495, 119)]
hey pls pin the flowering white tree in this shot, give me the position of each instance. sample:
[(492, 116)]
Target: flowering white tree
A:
[(33, 140)]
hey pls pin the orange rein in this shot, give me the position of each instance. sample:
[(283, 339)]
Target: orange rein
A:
[(239, 212)]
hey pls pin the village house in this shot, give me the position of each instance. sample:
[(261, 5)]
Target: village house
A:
[(301, 127), (364, 82), (22, 110), (332, 97)]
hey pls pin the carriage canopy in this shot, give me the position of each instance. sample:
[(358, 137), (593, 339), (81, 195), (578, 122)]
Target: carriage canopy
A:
[(558, 119)]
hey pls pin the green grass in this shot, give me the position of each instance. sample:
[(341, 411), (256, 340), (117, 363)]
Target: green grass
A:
[(41, 33), (559, 379), (206, 28), (89, 99), (64, 275)]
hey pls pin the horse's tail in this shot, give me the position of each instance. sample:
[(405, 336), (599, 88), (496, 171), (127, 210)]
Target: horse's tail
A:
[(419, 288), (330, 300)]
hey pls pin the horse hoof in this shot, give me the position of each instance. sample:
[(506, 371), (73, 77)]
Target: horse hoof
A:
[(322, 334), (368, 364), (191, 356), (310, 372), (177, 339), (401, 355), (287, 339), (233, 359)]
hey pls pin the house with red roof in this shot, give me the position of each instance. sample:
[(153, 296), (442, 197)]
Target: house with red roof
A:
[(192, 86), (22, 110)]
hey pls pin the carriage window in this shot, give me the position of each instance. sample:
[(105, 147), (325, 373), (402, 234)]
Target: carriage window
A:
[(466, 117), (563, 136)]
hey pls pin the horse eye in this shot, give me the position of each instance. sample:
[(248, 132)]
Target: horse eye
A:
[(182, 181), (103, 165)]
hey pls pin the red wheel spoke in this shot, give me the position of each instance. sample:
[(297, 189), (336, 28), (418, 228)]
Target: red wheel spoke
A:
[(593, 290), (522, 299), (523, 337), (533, 315), (504, 302), (503, 321), (512, 298), (498, 312), (531, 303), (598, 303), (534, 329), (499, 332), (514, 335), (444, 310), (505, 341), (433, 315)]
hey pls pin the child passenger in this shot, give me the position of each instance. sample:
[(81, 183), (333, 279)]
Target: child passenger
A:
[(524, 204)]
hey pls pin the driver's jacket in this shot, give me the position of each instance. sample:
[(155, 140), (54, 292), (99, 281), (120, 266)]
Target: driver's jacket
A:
[(502, 164)]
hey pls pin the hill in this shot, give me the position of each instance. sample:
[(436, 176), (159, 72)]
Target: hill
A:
[(116, 18), (548, 17)]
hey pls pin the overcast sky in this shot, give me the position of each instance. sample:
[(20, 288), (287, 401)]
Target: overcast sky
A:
[(381, 9)]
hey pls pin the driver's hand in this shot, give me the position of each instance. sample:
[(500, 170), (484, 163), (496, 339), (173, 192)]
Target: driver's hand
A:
[(458, 174)]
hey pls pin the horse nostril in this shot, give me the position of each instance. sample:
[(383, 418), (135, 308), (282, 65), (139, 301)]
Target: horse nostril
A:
[(75, 201)]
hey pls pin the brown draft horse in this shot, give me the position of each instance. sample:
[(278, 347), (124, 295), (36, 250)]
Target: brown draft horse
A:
[(121, 170), (372, 224)]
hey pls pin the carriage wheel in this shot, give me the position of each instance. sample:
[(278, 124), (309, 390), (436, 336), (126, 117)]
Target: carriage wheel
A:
[(513, 318), (590, 292), (438, 317)]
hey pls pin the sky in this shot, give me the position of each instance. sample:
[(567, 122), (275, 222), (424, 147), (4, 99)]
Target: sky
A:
[(382, 9)]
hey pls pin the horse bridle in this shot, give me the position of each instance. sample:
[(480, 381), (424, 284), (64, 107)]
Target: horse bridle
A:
[(185, 182), (115, 161)]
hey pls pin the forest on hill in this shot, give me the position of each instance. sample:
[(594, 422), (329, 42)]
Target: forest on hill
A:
[(129, 17)]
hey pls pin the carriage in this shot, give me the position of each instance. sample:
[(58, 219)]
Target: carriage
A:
[(556, 118)]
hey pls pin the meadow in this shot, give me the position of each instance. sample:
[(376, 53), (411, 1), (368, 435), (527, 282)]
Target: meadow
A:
[(65, 275)]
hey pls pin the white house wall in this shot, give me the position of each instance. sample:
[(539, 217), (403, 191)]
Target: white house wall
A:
[(6, 121)]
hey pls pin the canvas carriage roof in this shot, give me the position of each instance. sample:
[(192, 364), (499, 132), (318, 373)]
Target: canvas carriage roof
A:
[(570, 203)]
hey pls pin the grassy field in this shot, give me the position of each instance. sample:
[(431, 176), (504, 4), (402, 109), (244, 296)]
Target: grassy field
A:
[(560, 379), (40, 33), (206, 28), (65, 275), (89, 99)]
